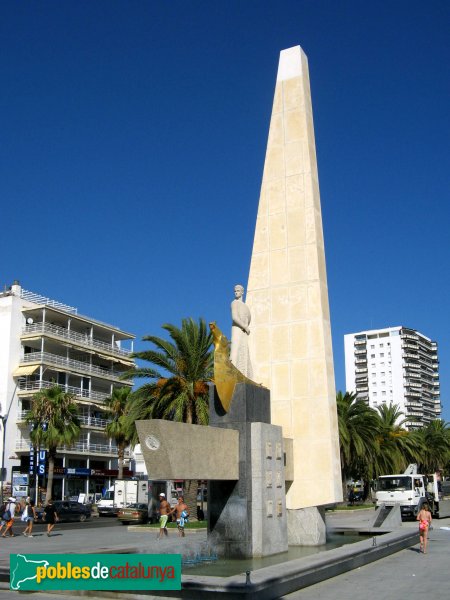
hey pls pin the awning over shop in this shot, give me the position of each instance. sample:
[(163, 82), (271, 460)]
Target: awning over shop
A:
[(25, 370)]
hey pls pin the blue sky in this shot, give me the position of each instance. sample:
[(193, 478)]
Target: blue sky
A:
[(132, 142)]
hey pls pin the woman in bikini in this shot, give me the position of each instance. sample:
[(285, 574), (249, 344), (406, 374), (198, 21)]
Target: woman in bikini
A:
[(424, 518)]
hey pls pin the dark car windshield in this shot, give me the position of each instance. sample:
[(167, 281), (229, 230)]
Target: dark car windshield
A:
[(391, 484)]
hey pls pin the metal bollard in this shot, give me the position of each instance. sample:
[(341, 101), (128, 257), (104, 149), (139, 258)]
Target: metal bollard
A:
[(247, 578)]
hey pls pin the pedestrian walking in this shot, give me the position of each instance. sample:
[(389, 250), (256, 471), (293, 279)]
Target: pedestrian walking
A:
[(182, 511), (8, 517), (51, 516), (164, 512), (2, 520), (424, 517), (30, 516)]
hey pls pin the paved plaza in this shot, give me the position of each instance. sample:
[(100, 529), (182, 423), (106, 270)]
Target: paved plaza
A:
[(404, 573)]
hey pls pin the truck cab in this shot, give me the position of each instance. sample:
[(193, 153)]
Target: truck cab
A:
[(411, 490)]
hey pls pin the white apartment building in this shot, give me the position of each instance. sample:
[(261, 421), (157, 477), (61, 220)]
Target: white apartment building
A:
[(395, 365), (43, 343)]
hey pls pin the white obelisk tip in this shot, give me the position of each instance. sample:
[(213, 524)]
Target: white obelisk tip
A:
[(290, 64)]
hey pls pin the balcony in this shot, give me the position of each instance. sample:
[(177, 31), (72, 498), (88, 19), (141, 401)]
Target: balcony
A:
[(412, 374), (361, 370), (78, 448), (409, 355), (70, 364), (85, 420), (410, 336), (35, 386), (409, 345), (413, 384), (360, 361), (79, 339), (360, 342)]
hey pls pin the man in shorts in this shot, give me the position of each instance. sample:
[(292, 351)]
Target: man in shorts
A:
[(182, 511), (164, 512)]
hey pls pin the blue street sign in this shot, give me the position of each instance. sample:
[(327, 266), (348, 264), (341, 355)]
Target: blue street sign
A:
[(32, 463), (41, 461)]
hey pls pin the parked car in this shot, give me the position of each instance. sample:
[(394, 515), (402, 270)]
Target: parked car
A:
[(67, 511), (133, 513)]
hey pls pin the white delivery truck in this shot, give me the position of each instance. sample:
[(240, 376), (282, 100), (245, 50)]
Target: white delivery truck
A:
[(410, 490), (123, 493)]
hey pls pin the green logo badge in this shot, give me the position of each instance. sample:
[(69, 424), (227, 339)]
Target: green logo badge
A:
[(95, 572)]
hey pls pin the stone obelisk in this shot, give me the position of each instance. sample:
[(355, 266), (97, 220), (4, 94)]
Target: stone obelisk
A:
[(290, 338)]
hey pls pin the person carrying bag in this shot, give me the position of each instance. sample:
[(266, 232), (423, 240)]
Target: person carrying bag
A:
[(8, 517)]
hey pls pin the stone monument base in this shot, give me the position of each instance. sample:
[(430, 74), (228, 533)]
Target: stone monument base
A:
[(248, 518), (306, 526)]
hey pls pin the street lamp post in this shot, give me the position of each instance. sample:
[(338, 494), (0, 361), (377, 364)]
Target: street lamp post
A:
[(4, 419)]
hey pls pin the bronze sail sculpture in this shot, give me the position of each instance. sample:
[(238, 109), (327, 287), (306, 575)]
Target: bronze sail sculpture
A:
[(226, 376)]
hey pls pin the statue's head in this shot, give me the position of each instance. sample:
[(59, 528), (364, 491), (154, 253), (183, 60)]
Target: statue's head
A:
[(238, 291)]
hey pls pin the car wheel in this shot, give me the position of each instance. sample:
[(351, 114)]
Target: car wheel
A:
[(125, 522), (82, 518)]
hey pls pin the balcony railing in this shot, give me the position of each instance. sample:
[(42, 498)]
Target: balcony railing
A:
[(93, 421), (79, 448), (35, 386), (78, 338), (70, 364), (84, 420)]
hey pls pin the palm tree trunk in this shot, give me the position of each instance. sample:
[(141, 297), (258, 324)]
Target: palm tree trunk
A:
[(344, 486), (190, 497), (51, 469), (120, 454)]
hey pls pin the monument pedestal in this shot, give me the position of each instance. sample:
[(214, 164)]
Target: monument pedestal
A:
[(248, 517)]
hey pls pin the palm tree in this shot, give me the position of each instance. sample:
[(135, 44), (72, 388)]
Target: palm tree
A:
[(180, 391), (357, 424), (398, 447), (434, 440), (118, 429), (54, 417)]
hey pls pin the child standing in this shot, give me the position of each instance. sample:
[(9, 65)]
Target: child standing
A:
[(424, 517)]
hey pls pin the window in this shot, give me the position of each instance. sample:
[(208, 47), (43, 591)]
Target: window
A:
[(372, 356), (372, 346), (374, 393), (383, 383), (381, 345), (382, 373), (383, 393), (381, 354)]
